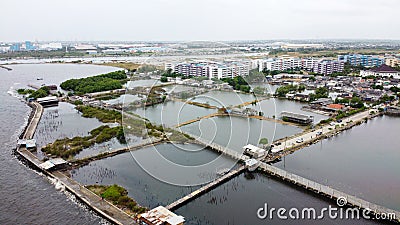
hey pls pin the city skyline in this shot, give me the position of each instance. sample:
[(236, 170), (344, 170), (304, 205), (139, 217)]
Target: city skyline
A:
[(179, 20)]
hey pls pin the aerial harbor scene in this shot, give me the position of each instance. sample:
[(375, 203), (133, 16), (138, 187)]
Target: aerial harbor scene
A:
[(152, 113)]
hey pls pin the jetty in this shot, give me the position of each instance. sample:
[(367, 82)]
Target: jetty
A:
[(147, 143), (5, 67), (104, 208), (205, 188), (221, 149), (329, 192)]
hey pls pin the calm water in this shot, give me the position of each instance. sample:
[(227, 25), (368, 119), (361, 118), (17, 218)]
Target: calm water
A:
[(363, 161), (236, 132), (172, 112), (62, 122), (274, 107), (223, 99), (237, 202), (123, 99), (127, 170), (28, 198)]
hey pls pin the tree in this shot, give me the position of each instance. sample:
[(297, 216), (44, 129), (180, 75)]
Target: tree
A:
[(164, 79), (263, 142)]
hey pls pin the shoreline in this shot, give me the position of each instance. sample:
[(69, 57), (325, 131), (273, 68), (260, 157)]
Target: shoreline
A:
[(103, 208)]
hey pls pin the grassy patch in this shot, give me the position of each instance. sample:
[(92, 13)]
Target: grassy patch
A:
[(104, 115), (69, 147), (118, 196), (128, 66)]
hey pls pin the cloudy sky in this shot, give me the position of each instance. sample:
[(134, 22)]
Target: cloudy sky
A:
[(134, 20)]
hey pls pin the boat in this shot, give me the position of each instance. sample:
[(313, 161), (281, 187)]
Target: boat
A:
[(39, 78)]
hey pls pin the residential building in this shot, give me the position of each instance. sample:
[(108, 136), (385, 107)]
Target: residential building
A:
[(363, 60), (392, 62), (327, 67), (382, 71), (15, 47), (211, 69)]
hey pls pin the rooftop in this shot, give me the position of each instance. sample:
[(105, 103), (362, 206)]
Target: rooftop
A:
[(384, 69)]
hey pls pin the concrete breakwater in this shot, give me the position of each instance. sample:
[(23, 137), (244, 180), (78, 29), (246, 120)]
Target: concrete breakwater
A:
[(93, 201)]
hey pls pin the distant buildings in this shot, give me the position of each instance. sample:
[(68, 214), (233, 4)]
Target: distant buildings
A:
[(320, 66), (382, 71), (211, 69), (363, 60), (15, 47), (327, 67), (392, 61)]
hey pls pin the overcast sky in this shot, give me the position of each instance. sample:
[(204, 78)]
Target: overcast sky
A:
[(186, 20)]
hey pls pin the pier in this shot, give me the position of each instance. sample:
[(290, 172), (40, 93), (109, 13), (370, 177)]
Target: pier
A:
[(5, 67), (198, 119), (31, 129), (328, 191), (221, 149), (107, 154), (104, 208), (205, 188)]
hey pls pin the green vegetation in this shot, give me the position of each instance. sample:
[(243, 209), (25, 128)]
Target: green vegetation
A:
[(283, 90), (104, 82), (326, 121), (69, 147), (145, 68), (164, 79), (118, 196), (103, 115), (238, 83), (355, 102), (259, 90), (342, 115), (40, 93), (386, 98), (263, 141), (25, 91), (321, 92)]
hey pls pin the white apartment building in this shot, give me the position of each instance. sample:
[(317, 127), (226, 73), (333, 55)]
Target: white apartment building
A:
[(286, 63), (316, 65), (327, 67), (211, 69)]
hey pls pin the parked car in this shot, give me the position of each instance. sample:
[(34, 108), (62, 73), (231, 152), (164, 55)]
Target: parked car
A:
[(300, 140)]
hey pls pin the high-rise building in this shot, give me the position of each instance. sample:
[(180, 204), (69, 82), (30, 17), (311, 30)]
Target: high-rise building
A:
[(363, 60), (15, 47), (211, 69), (327, 67), (29, 46)]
